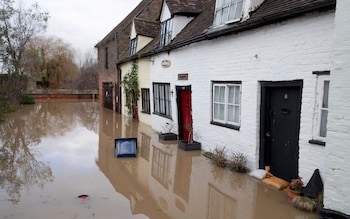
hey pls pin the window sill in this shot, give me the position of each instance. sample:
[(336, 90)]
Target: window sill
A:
[(235, 127), (232, 21), (145, 112), (162, 115), (317, 142)]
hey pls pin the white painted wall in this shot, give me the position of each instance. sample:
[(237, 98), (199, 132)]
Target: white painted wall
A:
[(289, 50), (337, 185), (179, 23), (165, 14)]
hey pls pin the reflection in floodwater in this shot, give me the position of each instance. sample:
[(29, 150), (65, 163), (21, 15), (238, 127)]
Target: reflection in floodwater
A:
[(60, 150)]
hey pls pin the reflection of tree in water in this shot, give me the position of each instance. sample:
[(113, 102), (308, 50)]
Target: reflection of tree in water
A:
[(88, 114), (18, 158), (23, 131), (218, 173)]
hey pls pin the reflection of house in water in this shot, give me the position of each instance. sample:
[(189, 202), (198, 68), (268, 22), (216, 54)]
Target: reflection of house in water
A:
[(165, 182), (145, 146), (220, 205)]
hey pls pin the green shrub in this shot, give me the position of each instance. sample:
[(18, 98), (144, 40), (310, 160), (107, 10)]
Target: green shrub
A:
[(27, 99)]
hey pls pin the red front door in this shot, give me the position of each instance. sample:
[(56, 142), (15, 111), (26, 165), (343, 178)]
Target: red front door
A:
[(186, 113)]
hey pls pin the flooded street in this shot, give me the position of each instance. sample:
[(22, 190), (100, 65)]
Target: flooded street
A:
[(53, 152)]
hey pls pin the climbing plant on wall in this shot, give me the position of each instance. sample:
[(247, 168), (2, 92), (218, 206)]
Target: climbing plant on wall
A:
[(130, 83)]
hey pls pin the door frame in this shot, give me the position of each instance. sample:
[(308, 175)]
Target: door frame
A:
[(179, 111), (265, 87), (107, 89)]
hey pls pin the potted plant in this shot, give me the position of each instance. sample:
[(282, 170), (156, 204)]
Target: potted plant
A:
[(167, 134), (189, 144), (295, 187)]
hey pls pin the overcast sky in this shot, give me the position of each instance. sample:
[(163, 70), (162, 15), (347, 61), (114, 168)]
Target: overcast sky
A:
[(83, 23)]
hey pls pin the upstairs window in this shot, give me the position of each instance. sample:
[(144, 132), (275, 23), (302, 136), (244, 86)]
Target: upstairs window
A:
[(166, 28), (133, 45), (228, 11), (106, 57)]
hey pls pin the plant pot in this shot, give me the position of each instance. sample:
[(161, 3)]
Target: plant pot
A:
[(167, 136), (189, 146), (291, 194)]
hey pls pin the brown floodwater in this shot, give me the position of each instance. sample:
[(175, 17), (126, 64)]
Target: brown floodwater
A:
[(57, 160)]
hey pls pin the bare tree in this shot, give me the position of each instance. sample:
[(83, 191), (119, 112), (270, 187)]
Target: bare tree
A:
[(88, 78), (17, 27)]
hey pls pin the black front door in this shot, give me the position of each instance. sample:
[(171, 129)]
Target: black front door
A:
[(280, 123)]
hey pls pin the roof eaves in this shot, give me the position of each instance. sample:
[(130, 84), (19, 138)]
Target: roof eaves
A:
[(255, 22)]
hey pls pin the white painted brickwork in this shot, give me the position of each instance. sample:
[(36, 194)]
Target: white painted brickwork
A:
[(290, 50), (337, 185)]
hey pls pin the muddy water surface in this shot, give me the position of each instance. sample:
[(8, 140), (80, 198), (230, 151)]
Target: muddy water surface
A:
[(53, 152)]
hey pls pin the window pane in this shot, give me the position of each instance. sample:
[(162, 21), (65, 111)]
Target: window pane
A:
[(237, 95), (325, 94), (231, 95), (230, 113), (323, 126), (232, 11), (222, 94), (217, 19), (224, 15), (222, 111), (216, 111), (219, 3), (239, 8), (216, 93), (236, 114)]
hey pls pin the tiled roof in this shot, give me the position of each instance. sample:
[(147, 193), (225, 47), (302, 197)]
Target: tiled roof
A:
[(186, 6), (200, 28), (147, 10), (278, 7), (124, 23), (146, 28), (270, 11)]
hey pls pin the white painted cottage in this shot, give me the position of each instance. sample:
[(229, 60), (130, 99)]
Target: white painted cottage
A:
[(255, 77), (257, 85)]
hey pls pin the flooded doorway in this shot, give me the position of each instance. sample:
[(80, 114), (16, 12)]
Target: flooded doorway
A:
[(280, 122), (184, 105), (108, 95)]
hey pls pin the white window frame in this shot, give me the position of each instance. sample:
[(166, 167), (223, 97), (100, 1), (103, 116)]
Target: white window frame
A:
[(234, 103), (320, 108), (226, 11), (133, 46), (162, 99), (166, 30)]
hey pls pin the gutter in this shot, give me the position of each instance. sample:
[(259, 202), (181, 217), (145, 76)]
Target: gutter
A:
[(252, 23), (257, 22)]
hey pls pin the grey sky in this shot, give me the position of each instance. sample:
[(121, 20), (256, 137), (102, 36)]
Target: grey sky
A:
[(83, 23)]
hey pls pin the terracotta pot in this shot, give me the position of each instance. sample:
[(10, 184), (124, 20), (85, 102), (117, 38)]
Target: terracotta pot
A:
[(291, 194)]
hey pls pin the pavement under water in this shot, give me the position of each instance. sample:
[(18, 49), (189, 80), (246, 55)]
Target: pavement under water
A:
[(57, 160)]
